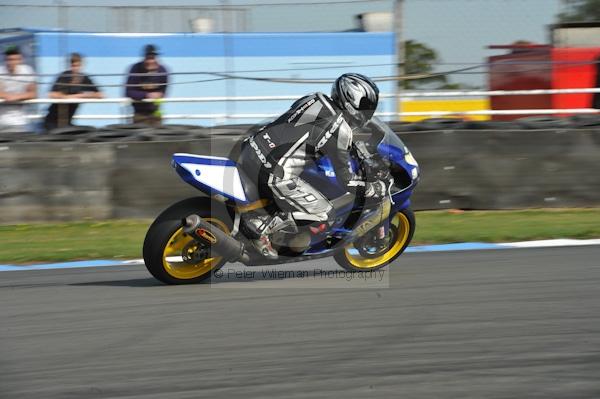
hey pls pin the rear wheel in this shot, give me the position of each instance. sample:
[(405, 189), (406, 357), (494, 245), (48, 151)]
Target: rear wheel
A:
[(363, 256), (173, 256)]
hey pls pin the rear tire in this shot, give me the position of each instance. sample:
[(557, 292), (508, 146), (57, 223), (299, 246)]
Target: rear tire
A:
[(165, 241), (404, 226)]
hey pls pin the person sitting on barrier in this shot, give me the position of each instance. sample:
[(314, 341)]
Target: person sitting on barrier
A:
[(17, 84), (147, 80), (70, 84), (316, 125)]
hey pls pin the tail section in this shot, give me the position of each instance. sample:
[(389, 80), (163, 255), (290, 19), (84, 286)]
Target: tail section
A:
[(211, 175)]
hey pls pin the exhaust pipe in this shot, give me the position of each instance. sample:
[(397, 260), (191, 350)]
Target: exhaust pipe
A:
[(221, 243)]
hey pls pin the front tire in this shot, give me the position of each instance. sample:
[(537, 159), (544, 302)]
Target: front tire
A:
[(170, 255), (402, 228)]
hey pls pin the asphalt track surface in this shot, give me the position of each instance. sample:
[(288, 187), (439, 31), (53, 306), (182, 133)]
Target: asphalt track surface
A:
[(521, 323)]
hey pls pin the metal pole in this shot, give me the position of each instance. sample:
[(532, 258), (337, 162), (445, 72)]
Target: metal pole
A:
[(400, 51), (228, 29), (62, 21)]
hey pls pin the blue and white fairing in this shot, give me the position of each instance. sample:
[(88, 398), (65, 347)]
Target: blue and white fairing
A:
[(212, 175), (218, 176), (405, 168)]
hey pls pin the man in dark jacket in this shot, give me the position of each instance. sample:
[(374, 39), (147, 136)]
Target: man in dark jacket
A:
[(147, 80), (70, 84), (315, 125)]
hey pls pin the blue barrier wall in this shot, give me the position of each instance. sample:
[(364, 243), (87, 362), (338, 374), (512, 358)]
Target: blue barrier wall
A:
[(281, 55)]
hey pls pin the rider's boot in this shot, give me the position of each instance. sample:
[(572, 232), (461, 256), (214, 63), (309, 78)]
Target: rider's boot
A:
[(265, 225)]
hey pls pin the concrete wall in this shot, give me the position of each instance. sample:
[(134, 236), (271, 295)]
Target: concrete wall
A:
[(460, 169)]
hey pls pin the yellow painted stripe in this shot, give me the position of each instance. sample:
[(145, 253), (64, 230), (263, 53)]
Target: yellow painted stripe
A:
[(454, 105)]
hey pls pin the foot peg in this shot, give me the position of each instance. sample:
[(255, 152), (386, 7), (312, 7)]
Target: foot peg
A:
[(264, 247)]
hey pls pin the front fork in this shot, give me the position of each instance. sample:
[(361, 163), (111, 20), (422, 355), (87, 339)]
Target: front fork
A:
[(378, 219), (383, 229)]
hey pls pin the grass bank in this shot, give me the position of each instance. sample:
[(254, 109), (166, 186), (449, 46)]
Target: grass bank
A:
[(122, 239)]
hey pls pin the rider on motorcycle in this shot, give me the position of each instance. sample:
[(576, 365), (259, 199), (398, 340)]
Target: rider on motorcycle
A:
[(316, 125)]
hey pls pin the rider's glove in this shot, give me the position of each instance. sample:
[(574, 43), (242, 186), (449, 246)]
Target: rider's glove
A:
[(376, 189), (356, 183)]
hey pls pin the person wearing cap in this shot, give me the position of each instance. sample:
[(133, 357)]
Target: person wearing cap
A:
[(147, 80), (17, 84), (70, 84)]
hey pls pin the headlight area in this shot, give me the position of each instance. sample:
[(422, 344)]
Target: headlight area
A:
[(415, 173), (401, 175), (408, 157), (410, 160)]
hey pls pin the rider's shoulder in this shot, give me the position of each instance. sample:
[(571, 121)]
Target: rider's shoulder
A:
[(307, 101), (327, 102), (317, 104), (302, 101), (313, 98)]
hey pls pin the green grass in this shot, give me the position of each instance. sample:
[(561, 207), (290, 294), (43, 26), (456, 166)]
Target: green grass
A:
[(115, 239), (503, 226), (122, 239)]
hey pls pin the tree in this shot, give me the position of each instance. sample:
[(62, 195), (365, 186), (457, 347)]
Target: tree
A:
[(581, 11), (420, 60)]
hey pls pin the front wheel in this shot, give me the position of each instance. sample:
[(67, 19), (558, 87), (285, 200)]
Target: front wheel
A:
[(174, 257), (400, 233)]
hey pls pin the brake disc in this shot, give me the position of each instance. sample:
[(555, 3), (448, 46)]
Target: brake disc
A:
[(194, 253), (369, 246)]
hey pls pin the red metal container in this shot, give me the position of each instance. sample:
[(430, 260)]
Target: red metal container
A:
[(525, 67), (573, 68), (534, 66)]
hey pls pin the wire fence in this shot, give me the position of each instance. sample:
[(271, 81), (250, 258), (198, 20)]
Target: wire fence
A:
[(476, 68), (126, 102), (458, 35), (222, 16)]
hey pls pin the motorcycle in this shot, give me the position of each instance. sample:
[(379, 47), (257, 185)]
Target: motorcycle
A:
[(190, 240)]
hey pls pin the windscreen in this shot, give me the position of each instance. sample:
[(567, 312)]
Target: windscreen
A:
[(381, 133)]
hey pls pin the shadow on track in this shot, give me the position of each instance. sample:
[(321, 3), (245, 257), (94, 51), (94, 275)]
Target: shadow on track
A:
[(151, 282), (138, 282), (237, 275)]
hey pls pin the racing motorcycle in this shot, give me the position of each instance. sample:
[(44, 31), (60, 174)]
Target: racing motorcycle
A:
[(193, 238)]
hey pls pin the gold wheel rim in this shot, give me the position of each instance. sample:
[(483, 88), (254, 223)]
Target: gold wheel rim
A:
[(403, 231), (173, 262)]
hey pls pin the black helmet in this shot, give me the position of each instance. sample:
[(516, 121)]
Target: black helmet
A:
[(357, 95)]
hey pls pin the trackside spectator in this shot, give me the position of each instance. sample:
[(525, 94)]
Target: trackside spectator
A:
[(70, 84), (147, 80), (17, 84)]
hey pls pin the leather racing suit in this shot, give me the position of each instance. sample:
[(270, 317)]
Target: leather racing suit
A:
[(313, 126)]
